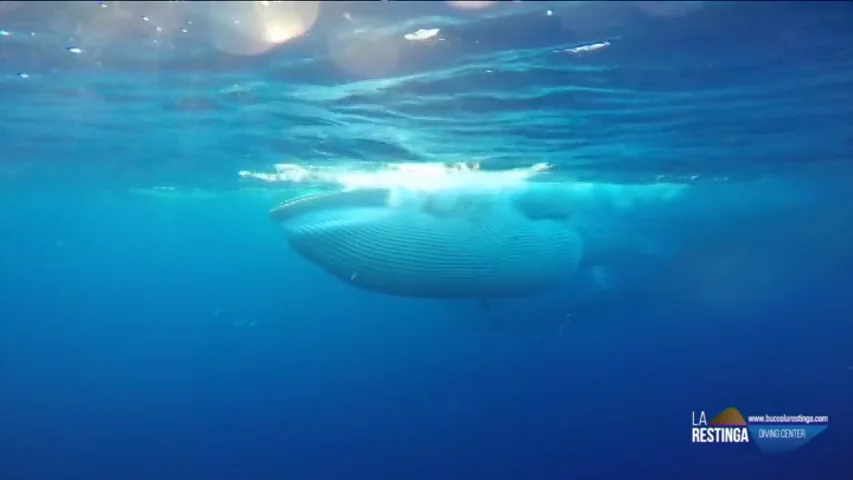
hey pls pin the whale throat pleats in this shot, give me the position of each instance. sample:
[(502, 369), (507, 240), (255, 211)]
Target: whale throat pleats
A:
[(406, 249)]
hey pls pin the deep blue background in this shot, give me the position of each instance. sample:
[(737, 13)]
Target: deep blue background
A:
[(176, 337)]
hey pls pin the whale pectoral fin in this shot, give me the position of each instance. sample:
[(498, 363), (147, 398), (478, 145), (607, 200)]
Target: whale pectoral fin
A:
[(485, 304)]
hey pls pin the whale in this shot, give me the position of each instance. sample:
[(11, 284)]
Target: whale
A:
[(454, 244)]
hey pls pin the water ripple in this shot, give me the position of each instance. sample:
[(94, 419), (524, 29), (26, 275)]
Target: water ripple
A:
[(720, 88)]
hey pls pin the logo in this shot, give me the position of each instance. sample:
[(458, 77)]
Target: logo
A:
[(773, 434)]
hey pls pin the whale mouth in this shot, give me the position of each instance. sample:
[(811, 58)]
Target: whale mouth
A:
[(430, 245)]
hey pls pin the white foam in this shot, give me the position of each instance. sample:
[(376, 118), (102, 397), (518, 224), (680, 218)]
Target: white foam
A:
[(422, 177)]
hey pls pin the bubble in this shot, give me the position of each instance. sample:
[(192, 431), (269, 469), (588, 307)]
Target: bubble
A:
[(471, 4), (252, 28), (422, 34)]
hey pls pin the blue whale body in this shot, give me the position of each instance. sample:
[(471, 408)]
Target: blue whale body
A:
[(432, 245)]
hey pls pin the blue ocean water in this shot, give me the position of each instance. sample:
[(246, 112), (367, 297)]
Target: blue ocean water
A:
[(154, 322)]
